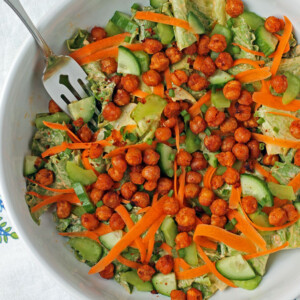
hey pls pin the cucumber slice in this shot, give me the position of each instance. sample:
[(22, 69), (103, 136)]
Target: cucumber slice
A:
[(128, 62), (169, 229), (111, 29), (88, 249), (219, 100), (219, 29), (144, 60), (191, 256), (157, 3), (84, 109), (220, 78), (192, 141), (231, 49), (165, 163), (125, 22), (165, 33), (282, 191), (195, 23), (82, 195), (78, 211), (251, 284), (293, 88), (253, 186), (212, 159), (132, 278), (59, 117), (251, 19), (235, 267), (260, 218), (164, 284), (109, 240), (265, 40), (29, 165), (77, 174)]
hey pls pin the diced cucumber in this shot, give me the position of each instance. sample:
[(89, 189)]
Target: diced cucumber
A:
[(165, 163), (82, 195), (182, 64), (88, 249), (165, 33), (212, 159), (144, 60), (84, 109), (253, 186), (191, 256), (164, 284), (251, 19), (128, 62), (124, 21), (157, 3), (260, 218), (219, 29), (59, 117), (132, 278), (231, 49), (265, 40), (195, 23), (251, 284), (297, 205), (112, 29), (30, 165), (219, 100), (78, 211), (77, 174), (109, 240), (282, 191), (293, 89), (192, 141), (169, 229), (220, 78), (235, 268)]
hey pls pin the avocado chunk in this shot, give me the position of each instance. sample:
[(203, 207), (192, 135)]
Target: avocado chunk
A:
[(77, 174)]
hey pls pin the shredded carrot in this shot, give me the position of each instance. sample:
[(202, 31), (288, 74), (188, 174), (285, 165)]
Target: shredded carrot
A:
[(88, 234), (153, 229), (267, 252), (102, 229), (206, 243), (295, 183), (253, 75), (265, 173), (164, 19), (128, 263), (249, 51), (126, 201), (282, 46), (150, 249), (166, 248), (277, 203), (86, 162), (275, 141), (182, 263), (192, 273), (140, 94), (283, 115), (287, 48), (63, 191), (175, 179), (159, 90), (143, 210), (168, 79), (177, 137), (237, 242), (155, 198), (196, 108), (43, 197), (208, 176), (253, 63), (181, 187), (264, 87), (234, 197)]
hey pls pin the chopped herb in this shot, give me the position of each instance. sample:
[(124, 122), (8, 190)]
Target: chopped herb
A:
[(132, 137), (204, 108), (149, 141), (99, 203), (178, 172), (172, 157), (188, 169), (184, 113), (141, 188), (260, 121), (170, 194), (186, 118), (181, 253), (127, 39), (206, 156), (261, 146), (171, 93), (108, 127), (207, 132), (171, 141), (276, 129), (128, 206), (230, 225)]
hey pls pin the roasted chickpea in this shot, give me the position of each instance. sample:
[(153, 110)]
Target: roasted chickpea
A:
[(249, 204), (89, 221), (141, 199), (85, 134), (184, 105), (219, 207), (212, 143), (96, 195), (242, 135), (78, 123), (170, 205), (251, 123), (191, 190), (197, 83), (117, 79), (165, 264), (273, 24), (226, 159), (229, 125), (197, 125), (270, 160), (179, 77), (130, 83), (134, 156), (98, 33), (228, 144), (191, 50), (231, 176), (145, 272), (193, 177), (174, 55), (279, 83), (116, 222), (194, 294), (181, 126), (121, 97), (177, 295), (127, 190), (111, 199), (245, 98), (234, 8), (203, 45), (104, 182), (109, 65), (217, 43), (151, 173), (186, 217), (198, 162), (159, 62), (253, 146), (295, 129), (53, 107), (115, 174), (119, 163), (95, 151), (136, 177), (151, 78), (150, 185), (183, 240), (150, 157), (104, 213), (278, 217), (164, 185), (186, 228), (292, 212), (207, 66), (171, 122), (63, 209), (108, 272), (214, 117), (205, 219), (44, 177), (224, 61), (219, 221), (152, 46), (242, 112), (216, 182), (183, 158), (172, 109), (297, 158), (232, 90), (162, 134), (111, 112), (206, 197), (241, 151)]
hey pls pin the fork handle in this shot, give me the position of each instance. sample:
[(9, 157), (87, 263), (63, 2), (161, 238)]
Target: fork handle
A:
[(21, 13)]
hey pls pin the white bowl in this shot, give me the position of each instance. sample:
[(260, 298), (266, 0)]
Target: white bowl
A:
[(24, 96)]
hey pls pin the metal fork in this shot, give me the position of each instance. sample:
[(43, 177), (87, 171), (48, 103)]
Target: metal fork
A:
[(59, 68)]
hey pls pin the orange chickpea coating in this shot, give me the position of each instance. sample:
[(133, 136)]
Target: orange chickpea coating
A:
[(119, 163), (295, 129), (291, 211), (270, 160), (234, 8), (224, 61), (162, 134), (193, 177), (183, 158), (53, 107), (78, 123), (205, 219), (89, 221), (229, 125), (216, 182), (203, 45), (183, 240), (231, 176), (150, 157), (150, 185), (251, 123), (130, 83), (228, 144), (253, 146), (214, 117), (198, 162), (136, 177), (171, 122), (191, 49), (245, 98), (116, 222), (219, 207), (194, 294), (206, 197), (141, 199), (63, 209), (242, 112), (197, 125), (172, 109), (179, 77), (117, 80), (115, 174), (134, 156), (232, 90), (121, 97), (159, 62), (273, 24), (96, 195), (177, 295), (44, 177), (108, 272), (104, 182), (186, 216), (164, 185), (217, 43), (242, 135), (219, 221), (241, 151), (279, 83), (145, 272), (111, 199), (191, 190), (151, 78), (170, 205), (226, 159), (152, 46), (174, 55), (212, 143), (297, 158), (98, 33), (103, 213), (127, 190), (165, 264), (85, 133), (111, 112), (278, 217), (249, 204), (205, 64), (109, 65), (151, 173), (197, 83), (95, 151)]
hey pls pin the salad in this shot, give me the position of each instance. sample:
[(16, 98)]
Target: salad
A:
[(180, 173)]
